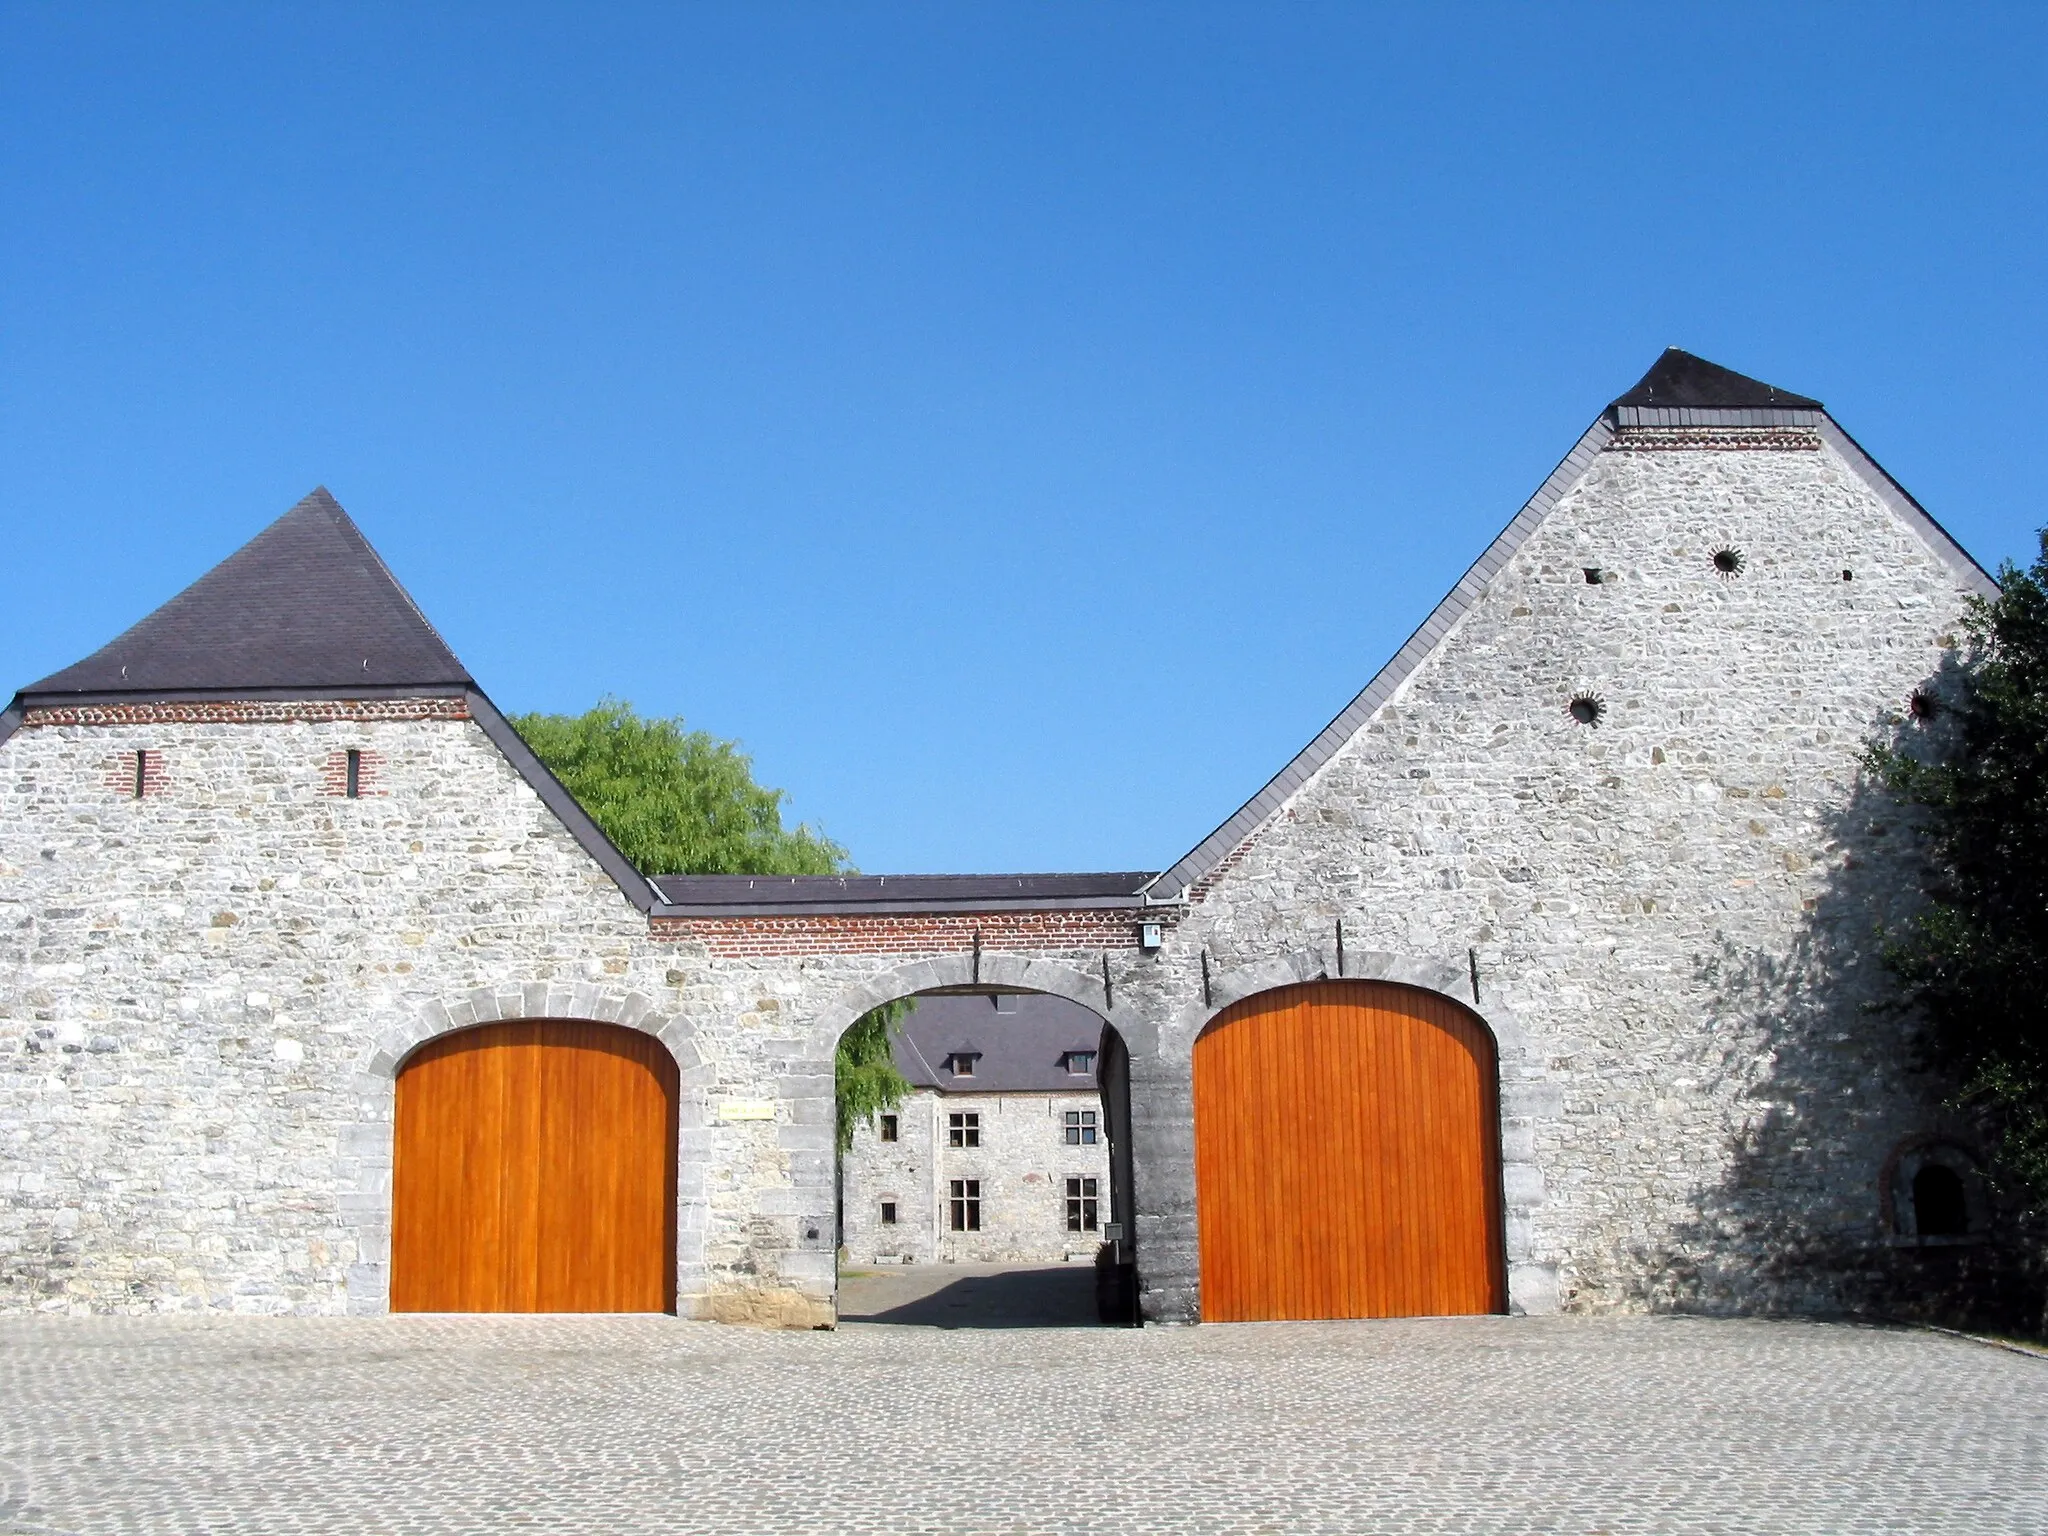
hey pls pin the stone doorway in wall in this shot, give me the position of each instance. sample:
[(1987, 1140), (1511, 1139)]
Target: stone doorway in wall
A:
[(995, 1193)]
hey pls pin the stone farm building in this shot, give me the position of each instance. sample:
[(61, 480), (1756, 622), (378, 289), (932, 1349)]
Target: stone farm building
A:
[(1535, 982), (999, 1153)]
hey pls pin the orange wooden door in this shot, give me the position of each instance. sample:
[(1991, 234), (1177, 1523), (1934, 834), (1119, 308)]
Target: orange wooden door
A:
[(1346, 1156), (534, 1171)]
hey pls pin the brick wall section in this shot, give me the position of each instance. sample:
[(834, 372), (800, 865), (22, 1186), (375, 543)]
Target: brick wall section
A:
[(334, 777), (741, 938), (248, 712), (121, 774), (1715, 440)]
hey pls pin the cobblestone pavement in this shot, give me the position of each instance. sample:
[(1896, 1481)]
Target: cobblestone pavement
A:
[(619, 1425)]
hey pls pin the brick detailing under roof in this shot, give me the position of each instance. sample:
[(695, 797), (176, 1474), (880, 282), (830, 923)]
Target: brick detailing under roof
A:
[(247, 712), (306, 604), (1715, 440), (1083, 930)]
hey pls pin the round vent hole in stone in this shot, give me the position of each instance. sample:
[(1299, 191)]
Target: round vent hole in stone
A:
[(1586, 709), (1923, 706), (1728, 562)]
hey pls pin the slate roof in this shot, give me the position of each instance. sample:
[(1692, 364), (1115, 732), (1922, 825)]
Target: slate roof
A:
[(1022, 1039), (737, 895), (304, 607), (1680, 379)]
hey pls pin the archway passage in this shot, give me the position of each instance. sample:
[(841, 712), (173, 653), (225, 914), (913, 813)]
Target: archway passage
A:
[(534, 1171), (1347, 1156)]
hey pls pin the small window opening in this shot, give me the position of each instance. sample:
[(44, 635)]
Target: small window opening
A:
[(889, 1128), (888, 1213), (141, 773), (1729, 562), (963, 1129), (1083, 1205), (354, 788), (1080, 1063), (1923, 706), (1594, 575), (1005, 1002), (1586, 709), (966, 1202), (1847, 574), (1939, 1206), (961, 1063), (1080, 1128)]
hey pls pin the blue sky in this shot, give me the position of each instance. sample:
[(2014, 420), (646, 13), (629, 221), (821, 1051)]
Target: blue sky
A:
[(1023, 427)]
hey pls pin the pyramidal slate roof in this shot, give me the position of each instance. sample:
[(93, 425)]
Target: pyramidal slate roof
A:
[(1679, 379), (305, 606)]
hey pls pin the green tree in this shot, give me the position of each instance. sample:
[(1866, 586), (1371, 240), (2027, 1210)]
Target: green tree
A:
[(683, 802), (675, 801), (865, 1076), (1975, 960)]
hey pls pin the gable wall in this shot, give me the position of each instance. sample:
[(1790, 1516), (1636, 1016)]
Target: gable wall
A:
[(190, 984), (1674, 907)]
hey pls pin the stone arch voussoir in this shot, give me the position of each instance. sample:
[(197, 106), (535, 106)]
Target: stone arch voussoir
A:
[(364, 1150), (1032, 973)]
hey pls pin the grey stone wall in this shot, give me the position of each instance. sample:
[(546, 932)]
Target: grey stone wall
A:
[(205, 994), (1022, 1166), (1672, 910)]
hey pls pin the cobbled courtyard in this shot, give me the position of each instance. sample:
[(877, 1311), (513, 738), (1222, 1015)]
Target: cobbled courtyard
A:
[(447, 1425)]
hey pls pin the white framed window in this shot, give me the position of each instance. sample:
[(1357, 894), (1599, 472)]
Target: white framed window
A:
[(1083, 1205), (1080, 1128), (963, 1129), (966, 1203)]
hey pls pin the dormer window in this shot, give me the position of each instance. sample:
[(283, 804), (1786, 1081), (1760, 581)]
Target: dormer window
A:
[(1080, 1063), (961, 1063)]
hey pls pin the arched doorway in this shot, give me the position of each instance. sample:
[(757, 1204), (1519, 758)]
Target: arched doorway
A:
[(989, 1194), (1347, 1156), (534, 1170)]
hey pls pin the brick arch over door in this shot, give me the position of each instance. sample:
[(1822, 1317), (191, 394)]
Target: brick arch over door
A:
[(1347, 1156)]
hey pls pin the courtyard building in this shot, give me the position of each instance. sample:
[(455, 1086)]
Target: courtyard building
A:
[(999, 1152)]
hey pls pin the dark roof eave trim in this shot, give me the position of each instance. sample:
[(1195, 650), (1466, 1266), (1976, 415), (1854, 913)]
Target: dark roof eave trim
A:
[(636, 887), (10, 720), (896, 908), (1218, 845)]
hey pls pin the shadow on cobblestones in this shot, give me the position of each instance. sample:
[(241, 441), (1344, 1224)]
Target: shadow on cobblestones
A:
[(1038, 1297)]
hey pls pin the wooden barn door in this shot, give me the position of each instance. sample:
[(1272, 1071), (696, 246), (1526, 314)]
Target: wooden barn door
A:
[(1347, 1156), (534, 1171)]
